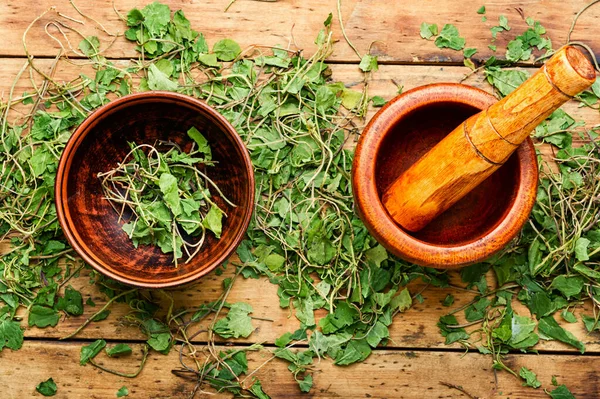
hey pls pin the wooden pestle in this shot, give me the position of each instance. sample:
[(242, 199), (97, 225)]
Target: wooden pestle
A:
[(481, 144)]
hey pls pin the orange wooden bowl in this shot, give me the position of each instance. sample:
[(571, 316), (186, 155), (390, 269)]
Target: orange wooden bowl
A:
[(477, 226), (91, 225)]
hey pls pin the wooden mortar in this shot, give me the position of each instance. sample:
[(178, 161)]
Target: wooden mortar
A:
[(478, 225), (484, 142)]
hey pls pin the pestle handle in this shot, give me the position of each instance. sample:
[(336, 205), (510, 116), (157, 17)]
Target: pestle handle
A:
[(481, 144)]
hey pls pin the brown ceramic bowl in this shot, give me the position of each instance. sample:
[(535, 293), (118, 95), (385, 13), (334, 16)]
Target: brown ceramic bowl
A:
[(477, 226), (91, 225)]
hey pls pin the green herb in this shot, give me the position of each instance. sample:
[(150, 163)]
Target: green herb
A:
[(562, 392), (11, 334), (47, 388), (449, 300), (122, 392), (530, 378), (503, 23), (226, 50), (118, 350), (428, 30), (71, 302), (469, 52), (237, 323), (178, 201), (368, 63), (449, 38), (88, 352), (378, 101), (41, 316), (481, 10)]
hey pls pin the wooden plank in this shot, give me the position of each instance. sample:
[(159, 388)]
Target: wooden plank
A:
[(413, 329), (385, 374), (382, 83), (389, 29)]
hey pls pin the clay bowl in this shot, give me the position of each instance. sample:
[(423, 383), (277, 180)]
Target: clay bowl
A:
[(477, 226), (92, 226)]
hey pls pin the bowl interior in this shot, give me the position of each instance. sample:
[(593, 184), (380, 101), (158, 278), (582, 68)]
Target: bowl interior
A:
[(476, 214), (95, 225)]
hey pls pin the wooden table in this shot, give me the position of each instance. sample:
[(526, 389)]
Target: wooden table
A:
[(416, 362)]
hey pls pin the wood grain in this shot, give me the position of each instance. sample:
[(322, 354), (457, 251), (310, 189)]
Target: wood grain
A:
[(389, 29), (385, 374)]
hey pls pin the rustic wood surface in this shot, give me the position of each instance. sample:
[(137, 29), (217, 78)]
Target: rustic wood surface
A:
[(416, 362)]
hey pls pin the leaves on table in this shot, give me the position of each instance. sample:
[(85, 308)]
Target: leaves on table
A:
[(47, 388), (237, 323), (562, 392), (11, 334), (90, 351), (530, 378), (428, 30), (123, 391), (118, 350), (550, 329), (450, 38)]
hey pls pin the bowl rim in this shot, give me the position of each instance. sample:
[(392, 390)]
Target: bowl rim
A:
[(64, 165), (380, 224)]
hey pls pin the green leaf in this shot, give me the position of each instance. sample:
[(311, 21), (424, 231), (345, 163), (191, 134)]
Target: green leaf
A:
[(284, 340), (156, 18), (214, 220), (351, 98), (377, 333), (355, 351), (449, 300), (209, 60), (581, 249), (90, 46), (170, 191), (134, 17), (101, 316), (41, 316), (562, 392), (503, 22), (159, 336), (469, 52), (481, 10), (428, 30), (226, 50), (402, 301), (158, 80), (71, 302), (11, 334), (90, 351), (318, 343), (550, 328), (586, 271), (237, 323), (449, 38), (540, 304), (568, 286), (47, 388), (368, 63), (530, 378), (452, 334), (306, 384), (122, 392), (568, 316), (275, 262), (378, 101), (590, 323), (119, 350), (257, 390)]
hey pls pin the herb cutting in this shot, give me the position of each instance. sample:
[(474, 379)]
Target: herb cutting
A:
[(167, 196)]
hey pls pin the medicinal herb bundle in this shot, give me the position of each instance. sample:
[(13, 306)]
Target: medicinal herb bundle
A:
[(164, 196)]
